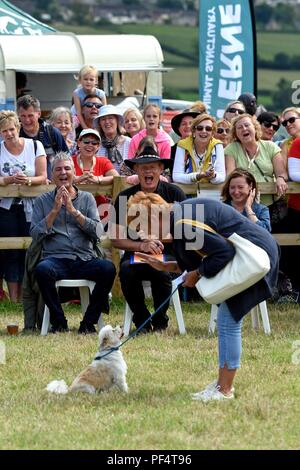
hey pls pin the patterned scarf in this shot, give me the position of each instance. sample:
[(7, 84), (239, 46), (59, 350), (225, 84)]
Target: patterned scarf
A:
[(112, 150)]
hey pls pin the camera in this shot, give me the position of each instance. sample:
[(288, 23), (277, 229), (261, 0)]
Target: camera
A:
[(209, 170)]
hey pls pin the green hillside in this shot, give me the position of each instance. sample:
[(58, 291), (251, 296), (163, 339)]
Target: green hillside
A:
[(269, 44), (180, 48), (179, 43), (183, 40)]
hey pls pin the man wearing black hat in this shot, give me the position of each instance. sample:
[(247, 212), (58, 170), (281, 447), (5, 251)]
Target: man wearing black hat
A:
[(148, 167)]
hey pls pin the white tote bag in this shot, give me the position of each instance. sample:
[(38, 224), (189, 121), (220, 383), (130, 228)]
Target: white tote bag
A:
[(249, 264)]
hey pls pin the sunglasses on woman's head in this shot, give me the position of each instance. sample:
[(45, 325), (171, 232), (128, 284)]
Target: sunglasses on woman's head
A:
[(89, 104), (235, 110), (270, 124), (204, 128), (221, 130), (90, 142), (291, 120)]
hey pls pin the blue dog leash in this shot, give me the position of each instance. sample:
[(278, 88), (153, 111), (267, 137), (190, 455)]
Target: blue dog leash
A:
[(134, 333)]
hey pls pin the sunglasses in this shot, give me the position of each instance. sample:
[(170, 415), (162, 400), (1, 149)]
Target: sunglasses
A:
[(89, 104), (291, 120), (204, 128), (221, 130), (235, 110), (270, 124), (90, 142)]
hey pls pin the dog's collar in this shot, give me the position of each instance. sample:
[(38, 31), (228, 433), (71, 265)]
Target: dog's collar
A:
[(105, 353)]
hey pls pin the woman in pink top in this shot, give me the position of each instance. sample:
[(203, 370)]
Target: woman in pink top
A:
[(152, 116)]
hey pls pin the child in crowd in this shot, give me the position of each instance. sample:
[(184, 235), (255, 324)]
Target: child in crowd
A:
[(88, 79), (152, 116)]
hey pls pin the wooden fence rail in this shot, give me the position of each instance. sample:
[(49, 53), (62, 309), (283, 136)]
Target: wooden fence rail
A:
[(112, 190), (119, 183)]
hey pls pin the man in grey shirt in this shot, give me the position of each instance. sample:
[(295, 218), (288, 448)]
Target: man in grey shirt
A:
[(66, 222)]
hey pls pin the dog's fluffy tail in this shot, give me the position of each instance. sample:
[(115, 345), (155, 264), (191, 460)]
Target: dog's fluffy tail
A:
[(57, 386)]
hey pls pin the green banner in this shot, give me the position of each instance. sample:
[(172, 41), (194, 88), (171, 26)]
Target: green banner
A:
[(15, 21), (227, 52)]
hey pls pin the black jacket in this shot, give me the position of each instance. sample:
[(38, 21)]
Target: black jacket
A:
[(215, 252)]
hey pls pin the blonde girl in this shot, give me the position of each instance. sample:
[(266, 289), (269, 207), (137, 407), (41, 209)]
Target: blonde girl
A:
[(88, 80)]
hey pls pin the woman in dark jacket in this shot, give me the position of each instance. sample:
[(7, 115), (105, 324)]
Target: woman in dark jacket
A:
[(206, 255), (241, 192)]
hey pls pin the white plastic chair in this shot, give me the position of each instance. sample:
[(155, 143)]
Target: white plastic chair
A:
[(260, 308), (85, 288), (176, 303)]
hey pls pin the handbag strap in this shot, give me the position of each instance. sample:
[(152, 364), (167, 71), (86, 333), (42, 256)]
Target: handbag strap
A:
[(259, 169), (266, 179), (195, 223)]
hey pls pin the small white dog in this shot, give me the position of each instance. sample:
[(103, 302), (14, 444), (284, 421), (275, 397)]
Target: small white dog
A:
[(107, 370)]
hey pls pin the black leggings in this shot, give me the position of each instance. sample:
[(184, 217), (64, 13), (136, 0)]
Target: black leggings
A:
[(131, 277)]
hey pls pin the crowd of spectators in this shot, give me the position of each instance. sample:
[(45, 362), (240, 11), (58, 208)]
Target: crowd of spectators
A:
[(238, 151)]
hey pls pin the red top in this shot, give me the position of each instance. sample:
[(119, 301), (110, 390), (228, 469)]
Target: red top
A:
[(101, 167)]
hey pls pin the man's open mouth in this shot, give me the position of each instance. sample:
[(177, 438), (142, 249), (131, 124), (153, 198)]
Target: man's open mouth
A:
[(148, 179)]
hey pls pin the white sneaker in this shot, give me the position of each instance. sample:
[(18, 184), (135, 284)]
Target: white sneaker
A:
[(210, 386), (212, 392)]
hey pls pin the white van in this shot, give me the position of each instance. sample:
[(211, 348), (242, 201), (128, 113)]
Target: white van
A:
[(129, 65)]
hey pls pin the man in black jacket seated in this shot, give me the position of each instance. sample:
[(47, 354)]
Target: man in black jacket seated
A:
[(149, 167)]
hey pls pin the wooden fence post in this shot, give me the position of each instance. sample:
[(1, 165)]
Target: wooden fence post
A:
[(119, 183)]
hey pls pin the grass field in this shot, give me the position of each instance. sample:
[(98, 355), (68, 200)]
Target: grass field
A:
[(268, 79), (163, 370), (185, 39), (269, 44), (184, 82), (181, 38)]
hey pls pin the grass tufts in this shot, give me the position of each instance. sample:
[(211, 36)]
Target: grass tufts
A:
[(163, 370)]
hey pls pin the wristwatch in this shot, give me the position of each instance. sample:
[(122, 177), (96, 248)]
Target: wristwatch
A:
[(29, 182), (280, 176)]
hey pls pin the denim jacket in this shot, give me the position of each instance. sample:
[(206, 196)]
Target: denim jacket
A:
[(66, 238)]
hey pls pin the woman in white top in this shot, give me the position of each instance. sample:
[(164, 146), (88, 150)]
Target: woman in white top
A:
[(200, 157), (22, 161), (290, 120)]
